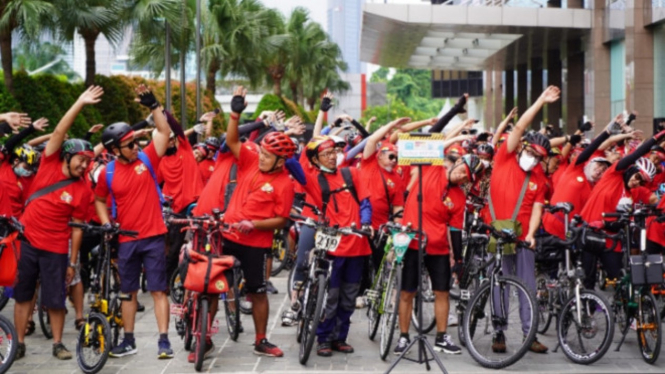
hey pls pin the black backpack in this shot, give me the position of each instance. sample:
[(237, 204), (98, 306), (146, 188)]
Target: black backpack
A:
[(326, 193)]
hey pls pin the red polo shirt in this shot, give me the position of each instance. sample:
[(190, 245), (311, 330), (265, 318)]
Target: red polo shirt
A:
[(379, 182), (181, 175)]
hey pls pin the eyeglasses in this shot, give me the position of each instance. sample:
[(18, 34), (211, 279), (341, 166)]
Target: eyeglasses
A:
[(329, 154), (129, 145)]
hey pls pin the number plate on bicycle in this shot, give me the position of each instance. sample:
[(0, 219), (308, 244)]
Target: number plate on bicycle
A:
[(326, 241)]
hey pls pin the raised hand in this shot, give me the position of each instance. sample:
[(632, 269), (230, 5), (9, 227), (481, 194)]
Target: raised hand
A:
[(40, 124), (209, 116), (551, 94), (146, 97), (326, 102), (280, 115), (16, 120), (238, 103), (92, 95), (512, 113), (96, 128)]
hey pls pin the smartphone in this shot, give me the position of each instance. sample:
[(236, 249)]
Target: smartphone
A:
[(476, 120), (216, 110)]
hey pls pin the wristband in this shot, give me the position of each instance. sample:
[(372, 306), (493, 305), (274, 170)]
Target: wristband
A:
[(235, 117), (71, 265)]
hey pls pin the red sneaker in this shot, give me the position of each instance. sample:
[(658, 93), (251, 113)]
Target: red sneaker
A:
[(264, 348)]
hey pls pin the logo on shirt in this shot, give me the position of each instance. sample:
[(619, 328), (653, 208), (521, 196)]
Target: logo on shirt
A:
[(219, 285), (580, 179), (211, 168), (19, 185), (140, 168), (390, 183), (66, 197), (532, 186), (399, 171), (267, 188), (448, 203)]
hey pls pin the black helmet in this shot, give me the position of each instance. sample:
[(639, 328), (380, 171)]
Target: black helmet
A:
[(212, 143), (538, 142), (113, 135), (76, 147), (473, 163), (485, 149)]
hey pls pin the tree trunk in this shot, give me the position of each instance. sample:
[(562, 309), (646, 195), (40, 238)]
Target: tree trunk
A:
[(311, 102), (294, 92), (6, 55), (213, 68), (276, 74), (90, 38)]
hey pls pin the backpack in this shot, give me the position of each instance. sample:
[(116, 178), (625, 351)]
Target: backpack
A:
[(326, 192), (110, 170), (230, 186)]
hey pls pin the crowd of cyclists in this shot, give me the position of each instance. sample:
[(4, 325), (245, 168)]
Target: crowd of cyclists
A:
[(263, 173)]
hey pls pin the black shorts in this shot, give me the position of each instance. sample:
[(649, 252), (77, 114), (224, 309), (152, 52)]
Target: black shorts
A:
[(253, 262), (50, 267), (438, 267)]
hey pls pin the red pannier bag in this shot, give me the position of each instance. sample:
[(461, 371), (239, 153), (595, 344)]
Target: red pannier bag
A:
[(208, 273), (10, 251)]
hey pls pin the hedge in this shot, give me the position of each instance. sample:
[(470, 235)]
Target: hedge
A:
[(273, 102)]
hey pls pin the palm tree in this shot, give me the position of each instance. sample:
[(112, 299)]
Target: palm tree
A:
[(90, 18), (25, 15)]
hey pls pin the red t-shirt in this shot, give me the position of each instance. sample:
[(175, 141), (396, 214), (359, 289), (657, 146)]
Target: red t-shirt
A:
[(556, 177), (342, 210), (13, 188), (46, 219), (573, 188), (206, 167), (505, 186), (136, 198), (656, 182), (656, 230), (5, 202), (404, 172), (181, 175), (379, 181), (443, 207), (258, 196), (212, 195)]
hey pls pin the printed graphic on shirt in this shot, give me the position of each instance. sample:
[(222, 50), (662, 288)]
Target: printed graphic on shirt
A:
[(390, 183), (448, 203), (532, 186), (66, 197), (140, 168), (268, 188)]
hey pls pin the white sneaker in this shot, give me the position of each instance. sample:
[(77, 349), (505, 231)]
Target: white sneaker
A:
[(452, 319), (361, 302)]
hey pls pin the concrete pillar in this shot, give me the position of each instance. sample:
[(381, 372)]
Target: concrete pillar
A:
[(522, 92), (598, 68), (639, 63), (536, 88), (489, 99), (509, 86), (554, 68), (498, 98), (575, 4), (575, 87)]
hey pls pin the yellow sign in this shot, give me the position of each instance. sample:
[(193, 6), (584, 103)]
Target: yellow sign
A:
[(420, 149)]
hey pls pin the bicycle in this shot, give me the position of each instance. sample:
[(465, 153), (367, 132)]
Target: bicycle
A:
[(633, 301), (315, 287), (102, 326), (384, 295), (10, 229), (205, 280), (488, 319)]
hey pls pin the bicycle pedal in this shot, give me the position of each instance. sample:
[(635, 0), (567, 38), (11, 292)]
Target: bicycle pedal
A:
[(464, 295), (177, 310)]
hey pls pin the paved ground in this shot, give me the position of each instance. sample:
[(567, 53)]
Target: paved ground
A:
[(237, 357)]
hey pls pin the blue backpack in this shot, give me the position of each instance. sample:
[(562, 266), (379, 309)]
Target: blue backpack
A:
[(110, 170)]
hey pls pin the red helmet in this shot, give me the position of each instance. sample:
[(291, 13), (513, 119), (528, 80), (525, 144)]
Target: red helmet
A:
[(279, 144)]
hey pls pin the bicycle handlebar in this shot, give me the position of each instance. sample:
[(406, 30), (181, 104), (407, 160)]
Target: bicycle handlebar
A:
[(317, 224), (504, 236), (101, 230), (13, 223), (206, 220), (566, 208)]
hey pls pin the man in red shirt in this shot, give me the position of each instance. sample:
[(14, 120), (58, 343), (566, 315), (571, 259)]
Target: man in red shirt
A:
[(44, 252), (135, 194), (207, 165), (260, 204), (513, 163), (443, 215)]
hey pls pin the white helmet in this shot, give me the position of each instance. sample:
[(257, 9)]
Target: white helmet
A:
[(646, 168)]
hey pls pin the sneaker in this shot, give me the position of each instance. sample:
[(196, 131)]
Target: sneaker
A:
[(499, 343), (289, 318), (60, 352), (446, 345), (210, 347), (341, 346), (20, 351), (324, 350), (140, 308), (633, 325), (361, 302), (452, 319), (264, 348), (402, 343), (270, 288), (124, 349), (164, 350), (537, 347)]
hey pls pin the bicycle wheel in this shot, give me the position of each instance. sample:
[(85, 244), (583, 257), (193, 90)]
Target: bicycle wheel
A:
[(203, 332), (373, 303), (8, 344), (44, 318), (232, 308), (94, 344), (545, 301), (482, 324), (315, 296), (280, 253), (4, 299), (649, 330), (429, 318), (116, 320), (290, 281), (390, 309), (585, 341), (177, 288)]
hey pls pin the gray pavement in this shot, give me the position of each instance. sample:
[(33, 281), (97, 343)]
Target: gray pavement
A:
[(237, 357)]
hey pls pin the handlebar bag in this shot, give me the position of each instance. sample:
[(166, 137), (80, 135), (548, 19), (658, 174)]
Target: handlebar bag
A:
[(206, 273), (10, 251), (646, 269)]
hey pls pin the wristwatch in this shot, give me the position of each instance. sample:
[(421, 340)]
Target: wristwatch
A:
[(73, 266)]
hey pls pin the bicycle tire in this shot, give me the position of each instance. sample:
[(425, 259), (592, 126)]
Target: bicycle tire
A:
[(232, 309), (8, 344), (586, 354), (280, 254), (476, 311), (176, 288), (98, 338), (545, 301), (652, 320), (289, 282), (316, 302), (429, 318), (4, 299), (116, 311), (390, 302), (373, 315), (203, 332), (44, 318)]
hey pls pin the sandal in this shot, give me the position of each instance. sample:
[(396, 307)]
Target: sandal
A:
[(79, 322), (30, 329)]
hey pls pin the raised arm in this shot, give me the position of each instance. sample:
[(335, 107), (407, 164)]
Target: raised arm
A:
[(379, 134), (238, 104), (160, 139), (502, 126), (550, 95), (326, 104), (413, 126), (455, 110)]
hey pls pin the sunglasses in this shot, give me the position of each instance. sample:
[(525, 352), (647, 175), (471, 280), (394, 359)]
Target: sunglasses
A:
[(392, 157), (470, 132), (129, 145)]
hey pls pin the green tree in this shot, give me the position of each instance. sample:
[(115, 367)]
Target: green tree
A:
[(26, 16)]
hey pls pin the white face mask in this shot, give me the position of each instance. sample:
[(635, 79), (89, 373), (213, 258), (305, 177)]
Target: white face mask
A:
[(340, 158), (486, 163), (527, 162)]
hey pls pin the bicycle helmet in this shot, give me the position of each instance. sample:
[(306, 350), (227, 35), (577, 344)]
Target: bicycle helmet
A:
[(74, 147), (538, 142), (279, 144), (318, 144), (25, 153), (203, 148), (353, 138), (646, 168), (485, 149), (212, 143), (339, 142), (475, 167), (115, 134), (659, 151)]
